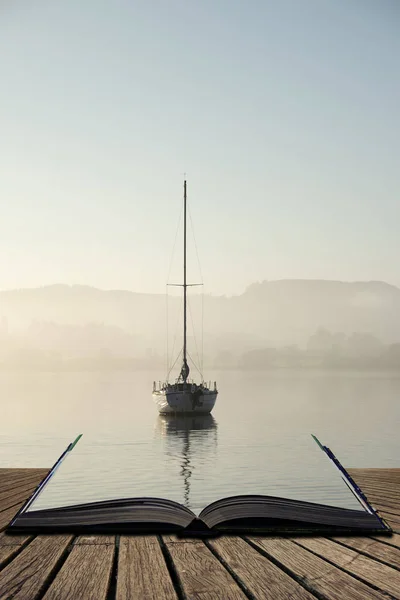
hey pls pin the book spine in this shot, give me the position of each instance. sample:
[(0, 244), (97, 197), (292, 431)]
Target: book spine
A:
[(44, 481), (197, 528)]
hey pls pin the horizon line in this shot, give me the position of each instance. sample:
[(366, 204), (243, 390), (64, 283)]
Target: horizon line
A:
[(254, 283)]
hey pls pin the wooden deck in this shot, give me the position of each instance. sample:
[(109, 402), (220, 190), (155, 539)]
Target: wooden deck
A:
[(64, 567)]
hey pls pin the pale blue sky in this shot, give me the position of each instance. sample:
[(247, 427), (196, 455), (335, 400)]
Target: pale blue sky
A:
[(284, 115)]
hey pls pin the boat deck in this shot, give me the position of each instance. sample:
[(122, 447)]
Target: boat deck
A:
[(65, 567)]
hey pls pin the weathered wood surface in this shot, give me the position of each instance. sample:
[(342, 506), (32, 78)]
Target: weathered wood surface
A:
[(86, 573), (25, 577), (157, 567), (256, 572), (373, 548), (316, 574), (369, 570), (201, 574), (10, 546), (16, 485), (142, 570)]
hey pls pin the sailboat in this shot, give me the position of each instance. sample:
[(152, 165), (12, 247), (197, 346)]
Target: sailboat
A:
[(184, 395)]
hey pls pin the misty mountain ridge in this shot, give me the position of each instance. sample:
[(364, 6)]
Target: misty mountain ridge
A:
[(267, 313)]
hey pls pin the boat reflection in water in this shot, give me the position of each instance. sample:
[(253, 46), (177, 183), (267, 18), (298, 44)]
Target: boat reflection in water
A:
[(193, 440)]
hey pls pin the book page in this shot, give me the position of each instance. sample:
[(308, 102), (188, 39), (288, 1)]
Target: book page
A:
[(189, 467), (113, 469), (276, 469)]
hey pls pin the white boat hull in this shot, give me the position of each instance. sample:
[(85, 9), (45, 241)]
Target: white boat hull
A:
[(182, 401)]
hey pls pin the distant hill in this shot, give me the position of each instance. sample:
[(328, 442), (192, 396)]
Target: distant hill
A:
[(292, 309), (267, 313)]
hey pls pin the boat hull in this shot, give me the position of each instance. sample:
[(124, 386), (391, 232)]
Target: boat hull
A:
[(183, 401)]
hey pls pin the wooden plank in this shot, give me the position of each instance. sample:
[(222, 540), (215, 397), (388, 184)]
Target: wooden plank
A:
[(12, 540), (389, 485), (17, 498), (392, 520), (382, 491), (393, 540), (376, 474), (385, 509), (95, 540), (13, 472), (382, 503), (85, 574), (374, 549), (10, 545), (315, 573), (201, 574), (26, 575), (5, 470), (8, 475), (28, 487), (174, 539), (11, 484), (388, 514), (385, 505), (381, 497), (377, 469), (395, 527), (34, 474), (142, 570), (382, 513), (377, 482), (380, 472), (9, 495), (6, 554), (259, 575), (380, 575), (7, 515)]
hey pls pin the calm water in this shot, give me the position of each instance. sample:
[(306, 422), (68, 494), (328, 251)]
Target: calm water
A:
[(256, 440)]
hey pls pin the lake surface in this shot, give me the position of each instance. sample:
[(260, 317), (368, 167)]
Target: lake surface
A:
[(256, 441)]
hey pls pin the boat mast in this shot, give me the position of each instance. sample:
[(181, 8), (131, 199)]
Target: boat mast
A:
[(185, 369)]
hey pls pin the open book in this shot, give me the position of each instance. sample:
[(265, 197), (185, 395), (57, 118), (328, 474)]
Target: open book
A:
[(48, 511)]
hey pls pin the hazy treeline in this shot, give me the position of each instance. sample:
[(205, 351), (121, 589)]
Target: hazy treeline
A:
[(90, 348), (324, 350), (289, 323)]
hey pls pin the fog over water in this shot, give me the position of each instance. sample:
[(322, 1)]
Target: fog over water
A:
[(257, 439)]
